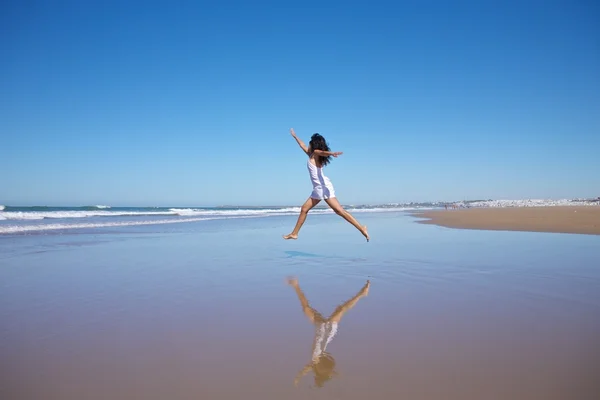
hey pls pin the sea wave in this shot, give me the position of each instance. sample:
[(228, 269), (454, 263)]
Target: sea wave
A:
[(182, 215), (178, 212), (12, 229), (34, 215), (242, 211), (282, 211)]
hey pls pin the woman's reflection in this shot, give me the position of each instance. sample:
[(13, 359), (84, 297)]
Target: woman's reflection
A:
[(322, 363)]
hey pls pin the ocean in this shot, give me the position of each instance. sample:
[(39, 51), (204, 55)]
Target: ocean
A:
[(43, 219)]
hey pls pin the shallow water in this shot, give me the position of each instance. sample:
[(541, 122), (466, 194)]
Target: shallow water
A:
[(203, 311)]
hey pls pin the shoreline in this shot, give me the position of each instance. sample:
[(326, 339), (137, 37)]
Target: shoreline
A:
[(555, 219)]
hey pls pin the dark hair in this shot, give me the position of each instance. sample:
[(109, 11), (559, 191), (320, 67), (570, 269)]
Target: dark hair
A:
[(317, 142), (323, 369)]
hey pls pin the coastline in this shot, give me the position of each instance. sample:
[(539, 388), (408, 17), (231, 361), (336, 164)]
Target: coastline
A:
[(556, 219)]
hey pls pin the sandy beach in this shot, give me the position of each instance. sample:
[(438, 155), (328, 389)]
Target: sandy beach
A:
[(582, 220), (206, 310)]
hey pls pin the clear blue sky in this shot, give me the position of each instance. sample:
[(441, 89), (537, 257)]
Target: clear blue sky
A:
[(190, 103)]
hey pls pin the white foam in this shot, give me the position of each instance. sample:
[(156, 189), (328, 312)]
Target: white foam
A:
[(1, 207), (194, 211), (281, 212), (195, 214), (182, 212), (11, 229), (17, 215), (21, 215), (102, 207)]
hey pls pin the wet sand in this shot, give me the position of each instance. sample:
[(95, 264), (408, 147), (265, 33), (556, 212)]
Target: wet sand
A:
[(208, 312), (582, 220)]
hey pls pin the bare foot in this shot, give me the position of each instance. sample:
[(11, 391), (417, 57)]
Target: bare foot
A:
[(365, 232), (290, 236), (292, 281), (365, 289)]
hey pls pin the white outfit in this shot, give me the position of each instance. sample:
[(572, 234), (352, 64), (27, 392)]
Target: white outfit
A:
[(324, 333), (322, 186)]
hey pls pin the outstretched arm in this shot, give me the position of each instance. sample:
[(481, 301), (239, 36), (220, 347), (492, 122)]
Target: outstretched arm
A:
[(300, 142), (327, 153), (300, 374)]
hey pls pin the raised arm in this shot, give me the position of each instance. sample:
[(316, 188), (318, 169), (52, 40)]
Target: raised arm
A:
[(300, 142)]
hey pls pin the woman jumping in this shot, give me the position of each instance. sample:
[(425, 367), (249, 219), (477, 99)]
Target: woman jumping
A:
[(319, 156)]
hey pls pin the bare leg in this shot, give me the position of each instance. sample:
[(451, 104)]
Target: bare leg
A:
[(306, 207), (310, 313), (339, 210), (342, 309)]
